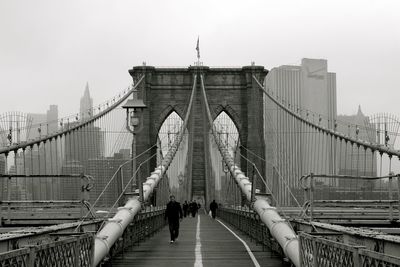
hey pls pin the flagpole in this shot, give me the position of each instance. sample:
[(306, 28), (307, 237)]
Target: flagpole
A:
[(198, 50)]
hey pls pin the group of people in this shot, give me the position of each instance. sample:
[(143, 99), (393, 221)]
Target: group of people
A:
[(174, 214), (190, 208)]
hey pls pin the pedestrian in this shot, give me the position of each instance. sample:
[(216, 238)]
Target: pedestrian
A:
[(185, 208), (213, 208), (174, 214), (193, 208)]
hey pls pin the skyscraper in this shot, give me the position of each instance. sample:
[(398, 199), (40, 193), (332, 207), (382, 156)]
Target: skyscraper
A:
[(308, 89), (102, 170), (86, 105), (85, 144), (352, 162), (52, 118), (39, 121), (47, 122), (88, 143), (2, 164)]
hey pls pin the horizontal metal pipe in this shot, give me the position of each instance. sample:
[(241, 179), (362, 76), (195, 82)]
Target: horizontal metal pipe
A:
[(115, 227), (280, 230)]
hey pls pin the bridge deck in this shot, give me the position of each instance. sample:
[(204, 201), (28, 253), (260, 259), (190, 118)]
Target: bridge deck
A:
[(219, 247)]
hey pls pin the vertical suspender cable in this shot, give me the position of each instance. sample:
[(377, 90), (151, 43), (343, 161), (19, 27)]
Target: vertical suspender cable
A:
[(279, 228), (115, 226)]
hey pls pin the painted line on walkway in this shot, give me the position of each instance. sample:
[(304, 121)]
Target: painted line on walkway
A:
[(199, 261), (253, 258)]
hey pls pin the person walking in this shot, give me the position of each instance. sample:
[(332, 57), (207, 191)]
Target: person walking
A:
[(185, 208), (193, 208), (213, 208), (174, 214)]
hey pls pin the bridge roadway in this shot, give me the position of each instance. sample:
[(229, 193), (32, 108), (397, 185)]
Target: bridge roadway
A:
[(216, 246)]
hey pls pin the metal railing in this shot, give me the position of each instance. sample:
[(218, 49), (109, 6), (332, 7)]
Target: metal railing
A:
[(32, 197), (145, 224), (249, 222), (71, 251), (321, 252), (313, 195)]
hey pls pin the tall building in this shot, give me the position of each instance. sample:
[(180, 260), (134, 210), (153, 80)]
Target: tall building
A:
[(86, 105), (3, 137), (47, 122), (85, 144), (52, 118), (32, 162), (102, 170), (308, 89), (71, 187), (352, 161), (39, 121), (2, 164)]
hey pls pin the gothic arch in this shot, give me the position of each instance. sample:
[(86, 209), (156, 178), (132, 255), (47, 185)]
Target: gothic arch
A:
[(232, 114), (165, 113)]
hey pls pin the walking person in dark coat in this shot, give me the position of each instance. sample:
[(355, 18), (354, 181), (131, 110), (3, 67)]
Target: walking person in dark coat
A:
[(213, 208), (174, 214), (193, 208), (185, 209)]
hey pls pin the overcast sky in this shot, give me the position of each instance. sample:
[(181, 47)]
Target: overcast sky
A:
[(49, 49)]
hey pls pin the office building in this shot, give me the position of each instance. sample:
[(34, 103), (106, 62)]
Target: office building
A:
[(353, 160), (310, 91), (86, 104)]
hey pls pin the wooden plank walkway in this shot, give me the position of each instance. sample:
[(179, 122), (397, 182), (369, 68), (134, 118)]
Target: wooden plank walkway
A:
[(219, 247)]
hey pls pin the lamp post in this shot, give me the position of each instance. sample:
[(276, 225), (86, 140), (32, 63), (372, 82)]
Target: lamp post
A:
[(134, 124)]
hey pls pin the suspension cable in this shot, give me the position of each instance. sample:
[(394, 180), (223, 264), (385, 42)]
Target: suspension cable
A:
[(115, 226), (334, 133), (75, 127), (262, 178)]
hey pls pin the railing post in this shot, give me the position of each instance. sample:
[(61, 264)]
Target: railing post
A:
[(305, 192), (122, 181), (77, 250), (84, 194), (9, 199), (120, 186), (314, 252), (390, 197), (253, 187), (31, 257), (311, 196), (140, 184), (356, 257), (301, 248)]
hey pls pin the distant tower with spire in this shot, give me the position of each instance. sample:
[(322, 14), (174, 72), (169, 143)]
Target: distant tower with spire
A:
[(86, 107)]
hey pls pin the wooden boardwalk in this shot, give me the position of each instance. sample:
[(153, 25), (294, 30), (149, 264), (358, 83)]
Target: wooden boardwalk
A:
[(217, 247)]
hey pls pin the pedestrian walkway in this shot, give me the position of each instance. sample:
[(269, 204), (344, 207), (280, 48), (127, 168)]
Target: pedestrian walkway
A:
[(214, 246)]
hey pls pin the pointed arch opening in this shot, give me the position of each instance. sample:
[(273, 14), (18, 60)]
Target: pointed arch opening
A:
[(177, 172), (168, 131), (228, 134)]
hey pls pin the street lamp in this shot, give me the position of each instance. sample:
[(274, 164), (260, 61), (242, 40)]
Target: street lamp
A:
[(134, 124)]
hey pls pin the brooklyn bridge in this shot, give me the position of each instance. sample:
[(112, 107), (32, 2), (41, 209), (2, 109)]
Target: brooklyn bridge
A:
[(295, 185)]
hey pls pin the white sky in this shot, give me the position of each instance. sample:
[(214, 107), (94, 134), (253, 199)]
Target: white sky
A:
[(50, 48)]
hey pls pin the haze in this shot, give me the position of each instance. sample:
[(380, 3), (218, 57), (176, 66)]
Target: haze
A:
[(50, 49)]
